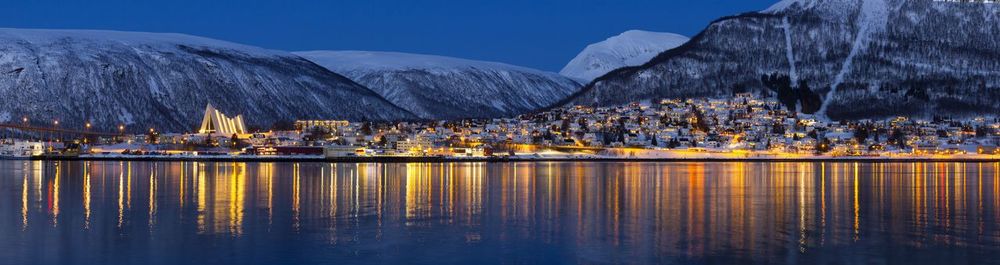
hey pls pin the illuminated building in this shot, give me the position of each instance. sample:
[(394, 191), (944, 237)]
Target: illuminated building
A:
[(218, 123), (329, 125)]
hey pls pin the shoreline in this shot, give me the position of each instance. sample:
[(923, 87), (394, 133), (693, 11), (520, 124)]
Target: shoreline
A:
[(509, 159)]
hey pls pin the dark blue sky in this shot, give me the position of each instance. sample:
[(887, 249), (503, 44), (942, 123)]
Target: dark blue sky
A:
[(544, 34)]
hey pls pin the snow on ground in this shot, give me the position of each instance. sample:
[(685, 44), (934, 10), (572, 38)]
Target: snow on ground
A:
[(873, 19), (792, 72)]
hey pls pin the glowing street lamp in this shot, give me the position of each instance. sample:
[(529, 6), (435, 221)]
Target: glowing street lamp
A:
[(121, 133), (55, 126), (87, 129)]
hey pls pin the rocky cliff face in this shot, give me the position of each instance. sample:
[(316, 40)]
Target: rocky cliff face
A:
[(865, 58), (164, 81)]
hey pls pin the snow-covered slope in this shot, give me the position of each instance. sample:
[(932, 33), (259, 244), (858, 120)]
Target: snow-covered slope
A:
[(631, 48), (864, 58), (436, 87), (165, 81)]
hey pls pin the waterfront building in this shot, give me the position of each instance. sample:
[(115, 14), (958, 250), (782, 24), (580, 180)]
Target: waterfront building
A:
[(287, 150), (216, 122), (333, 151), (988, 150), (16, 148), (417, 146)]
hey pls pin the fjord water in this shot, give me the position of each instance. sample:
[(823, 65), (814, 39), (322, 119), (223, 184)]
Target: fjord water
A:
[(489, 213)]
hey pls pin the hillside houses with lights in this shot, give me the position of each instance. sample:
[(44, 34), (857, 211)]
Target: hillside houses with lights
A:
[(743, 124)]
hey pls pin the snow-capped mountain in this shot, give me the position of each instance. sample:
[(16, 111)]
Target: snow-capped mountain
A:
[(165, 81), (863, 58), (631, 48), (436, 87)]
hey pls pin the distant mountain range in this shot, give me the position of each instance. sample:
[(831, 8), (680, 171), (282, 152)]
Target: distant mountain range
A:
[(859, 59), (164, 81), (842, 59), (436, 87), (631, 48)]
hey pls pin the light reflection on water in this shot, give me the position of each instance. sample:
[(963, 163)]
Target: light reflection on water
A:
[(574, 212)]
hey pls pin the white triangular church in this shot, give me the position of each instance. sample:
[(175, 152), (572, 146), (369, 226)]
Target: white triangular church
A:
[(216, 122)]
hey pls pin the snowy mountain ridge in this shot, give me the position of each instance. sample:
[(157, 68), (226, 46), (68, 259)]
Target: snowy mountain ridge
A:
[(438, 87), (631, 48), (786, 4), (376, 60), (164, 40), (861, 58), (164, 81)]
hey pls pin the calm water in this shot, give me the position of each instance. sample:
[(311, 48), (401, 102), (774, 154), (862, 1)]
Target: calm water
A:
[(478, 213)]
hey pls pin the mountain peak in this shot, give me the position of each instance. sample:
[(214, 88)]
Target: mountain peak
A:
[(862, 59), (147, 80), (630, 48), (786, 4)]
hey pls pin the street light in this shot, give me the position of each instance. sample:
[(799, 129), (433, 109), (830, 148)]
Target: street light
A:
[(121, 132), (151, 139), (24, 121), (56, 128), (86, 138)]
